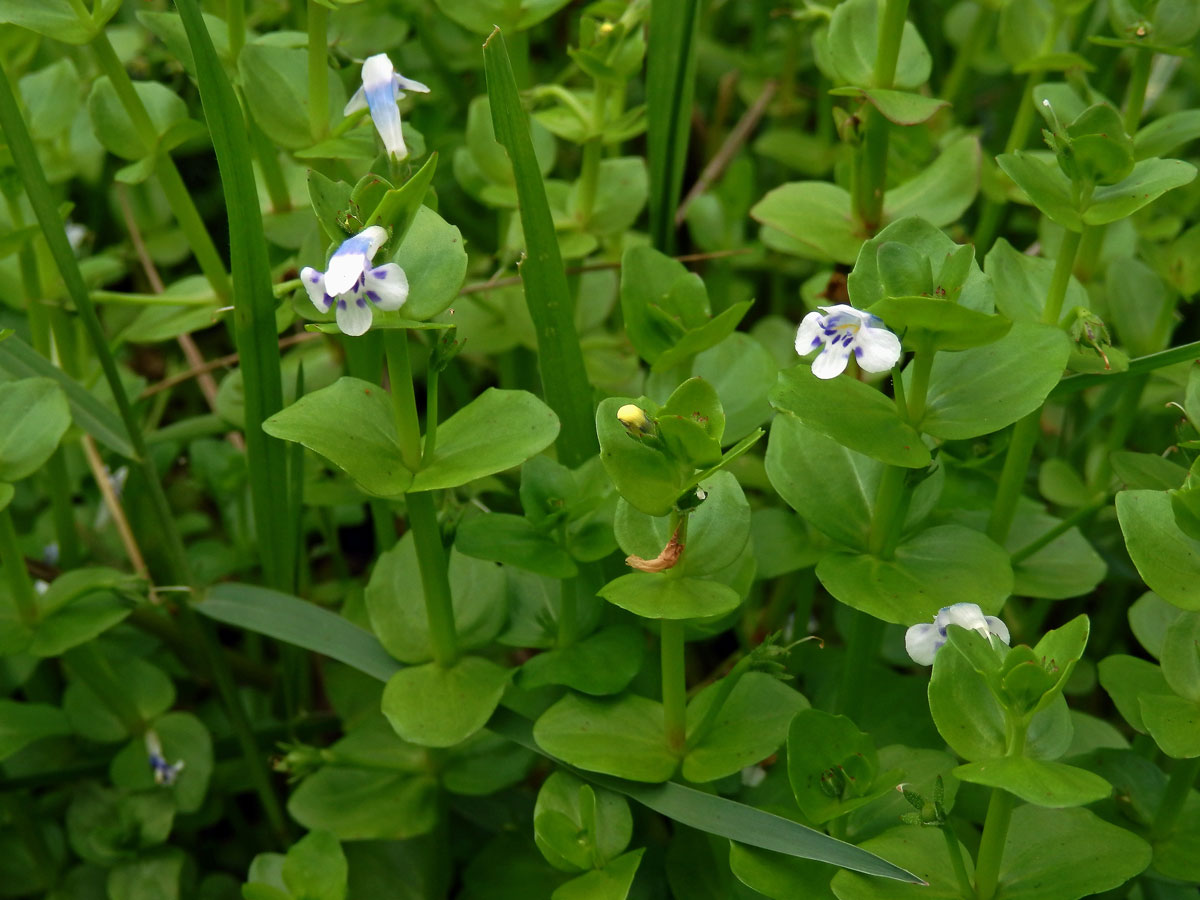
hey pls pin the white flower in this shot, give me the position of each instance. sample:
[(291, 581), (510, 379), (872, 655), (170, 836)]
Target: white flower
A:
[(923, 641), (164, 773), (844, 329), (352, 281), (382, 86)]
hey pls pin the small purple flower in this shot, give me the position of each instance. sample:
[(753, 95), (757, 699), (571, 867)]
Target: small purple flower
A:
[(350, 276), (924, 640), (164, 773), (381, 87), (843, 330)]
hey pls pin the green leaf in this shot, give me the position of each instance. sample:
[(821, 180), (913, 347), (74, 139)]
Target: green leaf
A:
[(395, 601), (315, 868), (1066, 567), (661, 595), (1102, 856), (1046, 186), (275, 80), (1174, 723), (613, 882), (936, 324), (852, 47), (184, 737), (900, 107), (154, 876), (1023, 283), (923, 851), (1166, 558), (1181, 656), (515, 541), (832, 766), (1149, 618), (742, 371), (1150, 179), (33, 418), (598, 823), (671, 54), (434, 260), (933, 568), (23, 723), (1127, 679), (1164, 135), (984, 389), (1147, 471), (810, 219), (349, 423), (1042, 783), (623, 736), (944, 190), (112, 125), (560, 359), (149, 691), (440, 706), (300, 623), (851, 412), (751, 725), (332, 204), (496, 431), (778, 876), (601, 664), (363, 804), (54, 18), (481, 16), (643, 474)]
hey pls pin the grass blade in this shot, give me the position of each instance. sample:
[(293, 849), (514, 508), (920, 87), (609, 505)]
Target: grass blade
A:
[(670, 86), (253, 300), (290, 619), (22, 361), (560, 361)]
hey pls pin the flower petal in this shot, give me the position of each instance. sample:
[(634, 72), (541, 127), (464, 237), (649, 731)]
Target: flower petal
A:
[(965, 615), (353, 314), (351, 258), (314, 284), (355, 103), (386, 286), (831, 362), (922, 642), (845, 311), (998, 628), (409, 84), (808, 335), (379, 85), (876, 349)]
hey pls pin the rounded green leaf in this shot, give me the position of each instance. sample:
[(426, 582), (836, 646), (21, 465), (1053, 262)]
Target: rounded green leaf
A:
[(1173, 722), (498, 430), (852, 47), (613, 882), (1181, 656), (1046, 186), (275, 81), (349, 423), (1042, 783), (923, 852), (34, 415), (1150, 179), (832, 766), (810, 219), (434, 260), (395, 600), (315, 867), (602, 663), (439, 706), (184, 737), (851, 412), (1166, 558), (599, 822), (643, 474), (112, 125), (779, 876), (623, 736), (366, 804), (751, 725), (933, 568), (23, 723), (943, 190), (940, 324), (984, 389), (662, 595), (900, 107)]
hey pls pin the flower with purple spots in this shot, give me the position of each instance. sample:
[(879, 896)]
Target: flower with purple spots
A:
[(923, 641), (381, 87), (841, 330), (351, 281), (165, 773)]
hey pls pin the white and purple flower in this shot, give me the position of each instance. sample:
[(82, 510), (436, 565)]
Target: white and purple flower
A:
[(841, 330), (382, 87), (165, 773), (351, 281), (923, 641)]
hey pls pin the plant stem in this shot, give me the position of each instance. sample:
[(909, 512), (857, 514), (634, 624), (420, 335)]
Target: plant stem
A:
[(568, 612), (268, 164), (890, 31), (431, 560), (991, 845), (1057, 531), (169, 179), (235, 19), (1025, 432), (889, 497), (19, 583), (318, 70), (872, 169), (960, 870), (431, 416), (865, 633), (586, 197), (1135, 95), (919, 390), (404, 398), (674, 684), (1175, 796)]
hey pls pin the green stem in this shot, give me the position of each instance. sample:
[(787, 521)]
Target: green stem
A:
[(568, 612), (431, 416), (871, 182), (318, 70), (991, 845), (404, 399), (865, 634), (919, 390), (674, 684), (1175, 796), (966, 892), (19, 583), (268, 163), (1025, 432), (1135, 95), (172, 184), (890, 31), (431, 560), (589, 171), (977, 37), (235, 18), (1057, 531), (889, 497)]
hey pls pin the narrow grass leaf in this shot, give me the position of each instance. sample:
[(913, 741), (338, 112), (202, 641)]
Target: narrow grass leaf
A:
[(670, 86), (253, 299), (560, 360)]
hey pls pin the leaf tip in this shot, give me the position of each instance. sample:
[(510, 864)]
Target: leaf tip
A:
[(495, 31)]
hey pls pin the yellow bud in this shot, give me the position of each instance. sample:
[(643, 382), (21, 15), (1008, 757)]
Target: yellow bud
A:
[(633, 417), (606, 28)]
